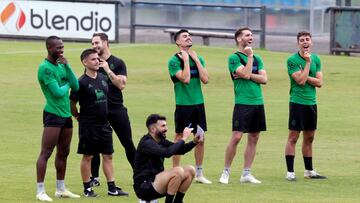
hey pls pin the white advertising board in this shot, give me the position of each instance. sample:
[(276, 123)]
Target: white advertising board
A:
[(76, 20)]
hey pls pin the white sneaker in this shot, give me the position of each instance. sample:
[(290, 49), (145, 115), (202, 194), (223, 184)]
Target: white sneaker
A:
[(224, 179), (151, 201), (249, 179), (290, 176), (202, 179), (65, 194), (42, 196), (313, 175)]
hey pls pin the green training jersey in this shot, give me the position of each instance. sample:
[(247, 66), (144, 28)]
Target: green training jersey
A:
[(49, 73), (186, 94), (302, 94), (246, 92)]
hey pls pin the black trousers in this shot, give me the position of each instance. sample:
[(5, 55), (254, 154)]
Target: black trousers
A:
[(120, 122)]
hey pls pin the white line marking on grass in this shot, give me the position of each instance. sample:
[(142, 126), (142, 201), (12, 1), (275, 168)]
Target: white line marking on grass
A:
[(111, 47), (67, 50)]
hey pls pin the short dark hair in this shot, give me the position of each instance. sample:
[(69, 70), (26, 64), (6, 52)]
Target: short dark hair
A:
[(239, 32), (177, 34), (86, 53), (302, 33), (103, 36), (50, 39), (154, 118)]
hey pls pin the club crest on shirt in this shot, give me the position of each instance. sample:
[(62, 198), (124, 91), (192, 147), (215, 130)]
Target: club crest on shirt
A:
[(100, 96), (48, 72)]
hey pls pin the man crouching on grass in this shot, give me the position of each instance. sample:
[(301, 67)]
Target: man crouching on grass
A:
[(151, 181)]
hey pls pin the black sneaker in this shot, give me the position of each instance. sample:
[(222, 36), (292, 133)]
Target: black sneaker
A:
[(89, 192), (94, 182), (117, 192)]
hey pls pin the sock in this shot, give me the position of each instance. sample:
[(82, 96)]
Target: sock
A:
[(227, 170), (111, 185), (86, 185), (308, 163), (246, 171), (60, 185), (199, 171), (179, 197), (290, 162), (40, 187), (95, 165), (169, 198)]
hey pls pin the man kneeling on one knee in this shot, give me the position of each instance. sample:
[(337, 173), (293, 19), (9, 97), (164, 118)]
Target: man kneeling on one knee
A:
[(151, 181)]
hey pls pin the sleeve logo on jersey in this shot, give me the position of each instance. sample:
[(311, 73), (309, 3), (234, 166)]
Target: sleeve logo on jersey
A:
[(291, 65), (173, 64), (112, 67)]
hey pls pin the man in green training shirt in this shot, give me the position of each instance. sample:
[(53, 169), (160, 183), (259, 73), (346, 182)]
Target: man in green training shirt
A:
[(247, 73), (304, 69), (56, 78), (187, 72)]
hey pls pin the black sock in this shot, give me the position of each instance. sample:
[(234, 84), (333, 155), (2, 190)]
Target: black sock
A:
[(111, 185), (179, 197), (169, 198), (308, 163), (290, 162), (86, 185), (95, 164)]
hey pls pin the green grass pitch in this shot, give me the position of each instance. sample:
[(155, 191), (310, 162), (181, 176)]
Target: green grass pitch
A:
[(150, 90)]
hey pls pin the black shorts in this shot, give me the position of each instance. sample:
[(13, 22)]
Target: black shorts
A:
[(302, 117), (94, 139), (194, 114), (248, 118), (53, 120), (145, 191)]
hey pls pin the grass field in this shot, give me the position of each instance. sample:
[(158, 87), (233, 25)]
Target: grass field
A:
[(150, 90)]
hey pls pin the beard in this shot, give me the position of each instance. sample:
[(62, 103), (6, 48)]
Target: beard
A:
[(161, 135), (100, 51)]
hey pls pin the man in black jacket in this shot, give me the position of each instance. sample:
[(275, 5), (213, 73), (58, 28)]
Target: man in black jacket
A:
[(151, 181)]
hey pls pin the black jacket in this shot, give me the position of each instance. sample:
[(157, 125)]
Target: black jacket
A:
[(149, 159)]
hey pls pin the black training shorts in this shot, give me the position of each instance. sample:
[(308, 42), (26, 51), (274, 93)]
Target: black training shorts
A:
[(302, 117), (248, 118), (53, 120), (145, 191), (190, 114), (94, 139)]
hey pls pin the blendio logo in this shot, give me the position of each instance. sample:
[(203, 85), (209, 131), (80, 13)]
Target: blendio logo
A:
[(58, 22)]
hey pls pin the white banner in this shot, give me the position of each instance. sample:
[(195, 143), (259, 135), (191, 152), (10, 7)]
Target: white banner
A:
[(63, 19)]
